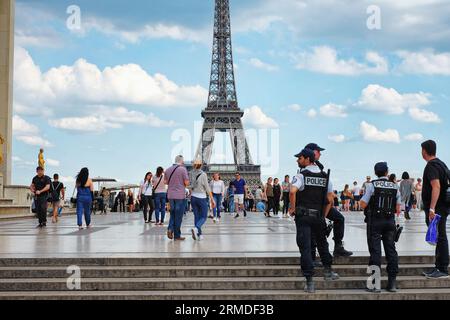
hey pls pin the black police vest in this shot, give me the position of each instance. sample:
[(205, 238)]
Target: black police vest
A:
[(313, 196), (384, 199)]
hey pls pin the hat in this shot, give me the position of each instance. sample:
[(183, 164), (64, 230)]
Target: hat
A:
[(381, 167), (306, 153), (314, 147), (198, 162)]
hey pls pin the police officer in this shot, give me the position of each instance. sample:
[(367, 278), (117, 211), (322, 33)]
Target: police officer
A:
[(310, 201), (334, 215), (380, 203)]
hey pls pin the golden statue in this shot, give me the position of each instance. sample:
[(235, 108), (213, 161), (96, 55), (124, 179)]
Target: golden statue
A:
[(2, 141), (41, 161)]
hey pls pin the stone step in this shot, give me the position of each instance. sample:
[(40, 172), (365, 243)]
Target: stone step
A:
[(194, 261), (256, 283), (4, 201), (12, 209), (240, 295), (195, 271)]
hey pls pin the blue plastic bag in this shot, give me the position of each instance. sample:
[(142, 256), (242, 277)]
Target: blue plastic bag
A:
[(261, 207), (432, 233)]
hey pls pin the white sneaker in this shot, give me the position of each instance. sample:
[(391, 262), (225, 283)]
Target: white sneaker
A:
[(215, 220), (200, 237), (194, 233)]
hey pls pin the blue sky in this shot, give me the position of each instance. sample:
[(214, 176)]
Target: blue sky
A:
[(112, 94)]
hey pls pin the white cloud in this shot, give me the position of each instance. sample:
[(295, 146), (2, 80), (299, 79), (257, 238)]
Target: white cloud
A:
[(325, 60), (337, 138), (427, 62), (311, 113), (370, 133), (424, 115), (263, 65), (255, 117), (68, 179), (22, 127), (34, 141), (84, 83), (145, 32), (294, 107), (103, 118), (332, 110), (377, 98), (414, 137), (52, 162)]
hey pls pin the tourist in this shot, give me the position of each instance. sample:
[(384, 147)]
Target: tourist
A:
[(268, 190), (230, 196), (177, 179), (418, 193), (40, 187), (56, 195), (434, 194), (130, 201), (365, 184), (145, 197), (356, 196), (85, 191), (393, 178), (276, 195), (240, 187), (122, 197), (200, 190), (105, 196), (251, 200), (218, 191), (286, 187), (347, 197), (159, 196), (406, 190)]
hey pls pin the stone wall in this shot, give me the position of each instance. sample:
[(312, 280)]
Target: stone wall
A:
[(21, 195)]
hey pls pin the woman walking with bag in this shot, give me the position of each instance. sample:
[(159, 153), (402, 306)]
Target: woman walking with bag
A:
[(159, 196), (145, 196), (85, 194)]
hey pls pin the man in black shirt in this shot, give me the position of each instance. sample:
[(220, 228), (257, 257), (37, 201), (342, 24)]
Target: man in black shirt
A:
[(40, 187), (433, 197)]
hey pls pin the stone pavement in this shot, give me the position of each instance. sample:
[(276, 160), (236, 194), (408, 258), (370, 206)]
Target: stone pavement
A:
[(125, 235)]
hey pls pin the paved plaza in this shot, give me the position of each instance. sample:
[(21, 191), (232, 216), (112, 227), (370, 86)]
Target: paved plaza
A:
[(125, 235)]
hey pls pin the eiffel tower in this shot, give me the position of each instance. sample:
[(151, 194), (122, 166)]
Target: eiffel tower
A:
[(222, 113)]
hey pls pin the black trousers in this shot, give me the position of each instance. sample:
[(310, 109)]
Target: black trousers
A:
[(276, 204), (41, 209), (121, 206), (442, 252), (338, 229), (285, 202), (270, 204), (147, 202), (306, 227), (382, 229)]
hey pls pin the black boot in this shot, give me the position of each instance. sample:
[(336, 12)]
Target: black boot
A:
[(329, 274), (392, 284), (407, 216), (339, 251), (309, 286)]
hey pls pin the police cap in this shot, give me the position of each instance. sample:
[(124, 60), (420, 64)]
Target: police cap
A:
[(381, 167), (306, 153), (314, 147)]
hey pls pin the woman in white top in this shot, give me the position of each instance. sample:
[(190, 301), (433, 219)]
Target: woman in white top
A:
[(218, 191), (146, 196)]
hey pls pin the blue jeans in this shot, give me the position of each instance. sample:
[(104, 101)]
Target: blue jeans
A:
[(84, 204), (200, 208), (177, 209), (231, 204), (160, 206), (218, 200)]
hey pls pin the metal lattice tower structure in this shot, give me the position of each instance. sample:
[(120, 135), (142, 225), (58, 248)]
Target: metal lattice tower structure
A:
[(222, 113)]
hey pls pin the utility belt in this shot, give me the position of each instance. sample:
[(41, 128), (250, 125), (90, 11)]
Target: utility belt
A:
[(305, 212), (379, 215)]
